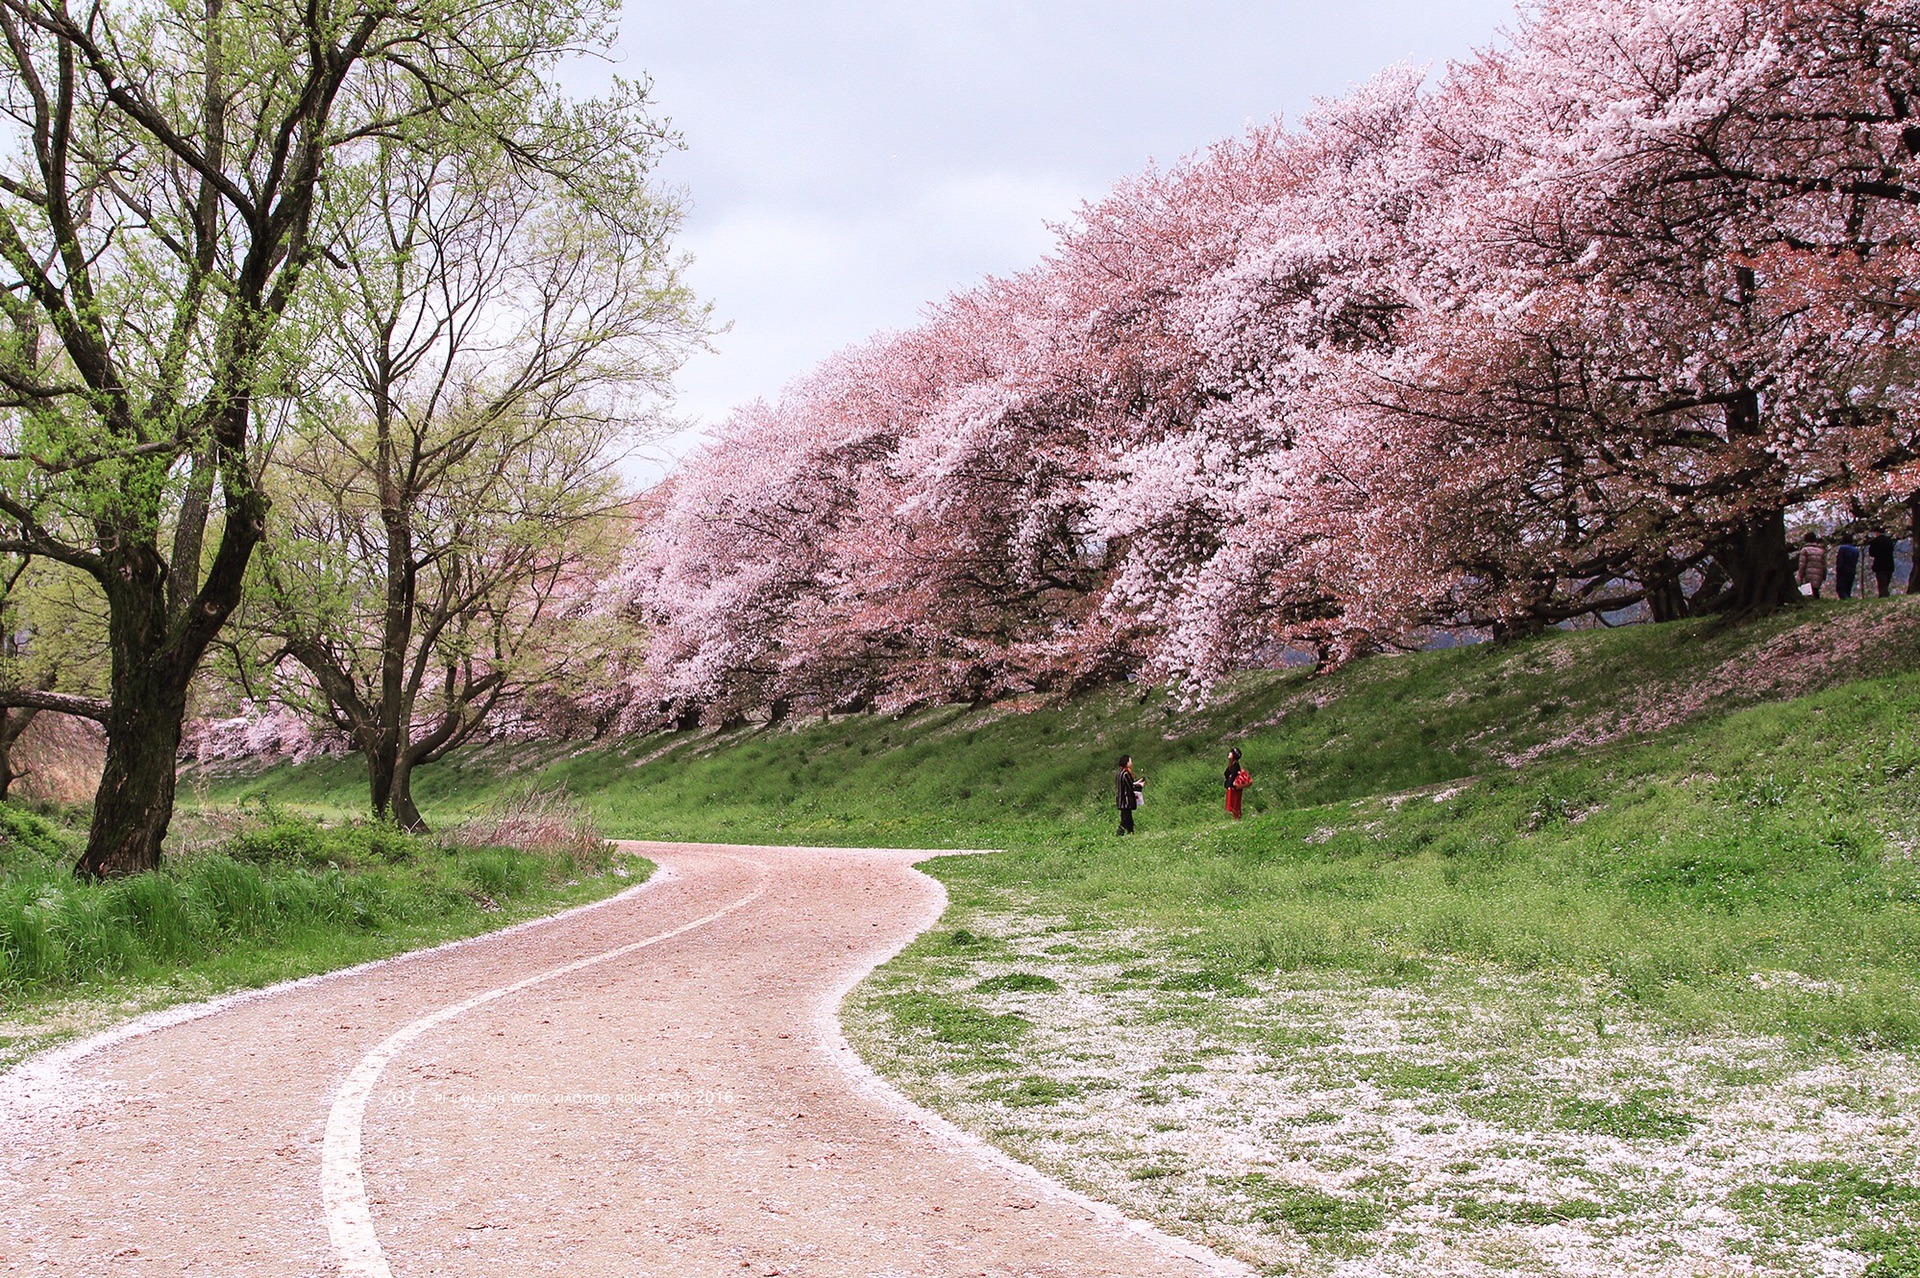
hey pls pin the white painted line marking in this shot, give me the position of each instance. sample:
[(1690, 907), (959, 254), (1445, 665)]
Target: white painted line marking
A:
[(343, 1188)]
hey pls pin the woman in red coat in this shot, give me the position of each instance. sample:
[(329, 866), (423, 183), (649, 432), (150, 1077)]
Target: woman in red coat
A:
[(1237, 782)]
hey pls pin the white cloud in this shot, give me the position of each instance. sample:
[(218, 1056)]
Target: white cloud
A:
[(798, 284)]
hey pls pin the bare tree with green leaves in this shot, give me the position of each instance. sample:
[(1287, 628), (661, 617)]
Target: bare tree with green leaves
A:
[(165, 195), (450, 492)]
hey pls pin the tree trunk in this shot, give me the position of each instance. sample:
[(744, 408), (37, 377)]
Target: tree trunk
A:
[(380, 756), (1524, 625), (390, 782), (1666, 597), (405, 814), (134, 805), (1666, 601), (154, 656), (1759, 569)]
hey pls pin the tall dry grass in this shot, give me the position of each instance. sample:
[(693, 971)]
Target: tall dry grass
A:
[(549, 821)]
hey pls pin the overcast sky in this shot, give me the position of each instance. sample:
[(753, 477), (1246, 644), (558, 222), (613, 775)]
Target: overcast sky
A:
[(848, 163)]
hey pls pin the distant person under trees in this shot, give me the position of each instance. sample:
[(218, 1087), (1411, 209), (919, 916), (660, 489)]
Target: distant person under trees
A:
[(1126, 792), (1846, 566), (1237, 780), (1811, 560), (1880, 559)]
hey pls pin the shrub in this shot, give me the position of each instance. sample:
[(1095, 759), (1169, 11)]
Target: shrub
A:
[(300, 841), (489, 872), (235, 894), (28, 838), (28, 952), (286, 842)]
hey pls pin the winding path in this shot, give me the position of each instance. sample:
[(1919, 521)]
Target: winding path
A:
[(651, 1086)]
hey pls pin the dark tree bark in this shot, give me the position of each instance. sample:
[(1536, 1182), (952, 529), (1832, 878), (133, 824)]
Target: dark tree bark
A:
[(1759, 569), (1666, 598), (381, 758), (156, 638), (1754, 551), (400, 804), (134, 805)]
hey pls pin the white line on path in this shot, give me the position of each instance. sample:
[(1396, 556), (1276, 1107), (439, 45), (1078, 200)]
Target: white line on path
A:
[(343, 1187)]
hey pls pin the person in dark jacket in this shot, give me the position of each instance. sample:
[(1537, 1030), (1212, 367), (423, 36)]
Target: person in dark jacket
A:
[(1846, 566), (1236, 785), (1126, 792), (1880, 559)]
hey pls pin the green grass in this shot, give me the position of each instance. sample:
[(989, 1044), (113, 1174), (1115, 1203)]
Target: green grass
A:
[(282, 897), (1311, 1212), (1624, 899)]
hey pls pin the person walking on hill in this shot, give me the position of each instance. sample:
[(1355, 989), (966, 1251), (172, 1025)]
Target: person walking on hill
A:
[(1880, 559), (1126, 792), (1237, 779), (1812, 561), (1846, 566)]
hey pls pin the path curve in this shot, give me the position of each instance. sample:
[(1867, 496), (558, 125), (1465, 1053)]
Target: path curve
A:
[(652, 1086)]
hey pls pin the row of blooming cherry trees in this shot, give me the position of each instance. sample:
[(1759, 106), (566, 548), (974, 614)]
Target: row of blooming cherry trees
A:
[(1580, 323)]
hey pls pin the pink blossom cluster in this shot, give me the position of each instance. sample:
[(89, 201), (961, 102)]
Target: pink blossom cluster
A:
[(1578, 325), (261, 731)]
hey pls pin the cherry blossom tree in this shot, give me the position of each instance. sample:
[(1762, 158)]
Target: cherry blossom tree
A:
[(1572, 328)]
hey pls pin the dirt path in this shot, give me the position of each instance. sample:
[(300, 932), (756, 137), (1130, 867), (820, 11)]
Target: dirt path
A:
[(654, 1086)]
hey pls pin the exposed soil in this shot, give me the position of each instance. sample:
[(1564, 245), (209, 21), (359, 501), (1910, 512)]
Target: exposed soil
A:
[(683, 1107)]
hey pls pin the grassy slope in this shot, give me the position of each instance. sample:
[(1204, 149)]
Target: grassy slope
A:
[(1703, 835), (1377, 727), (1764, 837)]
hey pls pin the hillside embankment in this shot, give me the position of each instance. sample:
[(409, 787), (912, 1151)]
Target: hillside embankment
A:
[(1390, 724), (1597, 953)]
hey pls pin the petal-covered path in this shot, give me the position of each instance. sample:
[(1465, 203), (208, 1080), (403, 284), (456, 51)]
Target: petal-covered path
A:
[(650, 1086)]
